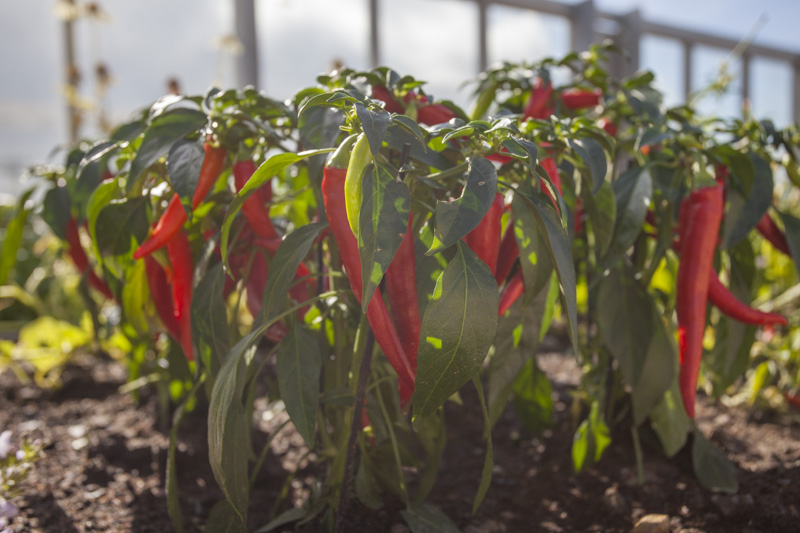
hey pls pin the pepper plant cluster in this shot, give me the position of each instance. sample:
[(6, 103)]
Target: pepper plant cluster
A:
[(387, 249)]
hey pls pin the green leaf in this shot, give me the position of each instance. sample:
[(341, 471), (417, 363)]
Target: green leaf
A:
[(458, 328), (375, 124), (173, 501), (287, 517), (560, 249), (657, 372), (263, 173), (669, 419), (224, 519), (184, 162), (625, 316), (632, 191), (602, 211), (534, 257), (228, 425), (56, 210), (210, 320), (425, 518), (533, 398), (591, 439), (792, 227), (283, 267), (397, 137), (120, 225), (299, 363), (161, 134), (13, 237), (410, 126), (136, 298), (744, 213), (101, 197), (714, 471), (488, 463), (383, 222), (592, 153), (457, 218)]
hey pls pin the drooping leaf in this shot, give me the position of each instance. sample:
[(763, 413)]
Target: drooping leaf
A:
[(458, 328), (136, 301), (457, 218), (120, 225), (283, 267), (714, 471), (161, 134), (533, 397), (375, 124), (591, 439), (632, 190), (210, 320), (534, 257), (184, 162), (56, 210), (625, 317), (592, 153), (488, 463), (101, 197), (656, 374), (601, 209), (383, 222), (263, 173), (744, 212), (224, 519), (299, 362), (425, 518), (669, 419), (13, 237)]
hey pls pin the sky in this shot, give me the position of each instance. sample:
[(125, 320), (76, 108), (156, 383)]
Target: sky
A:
[(144, 43)]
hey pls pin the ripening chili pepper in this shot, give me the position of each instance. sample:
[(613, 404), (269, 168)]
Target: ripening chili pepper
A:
[(298, 292), (538, 103), (161, 294), (78, 255), (581, 98), (182, 263), (433, 114), (333, 195), (255, 212), (792, 399), (577, 218), (485, 240), (699, 222), (770, 231), (511, 292), (509, 251), (174, 216), (608, 126), (379, 92), (401, 289), (725, 301)]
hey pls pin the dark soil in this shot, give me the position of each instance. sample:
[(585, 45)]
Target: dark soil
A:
[(106, 458)]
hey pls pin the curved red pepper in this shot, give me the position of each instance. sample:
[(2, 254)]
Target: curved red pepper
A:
[(509, 251), (401, 289), (78, 255), (180, 258), (538, 104), (433, 114), (725, 301), (253, 208), (174, 215), (608, 126), (379, 92), (580, 98), (161, 294), (377, 313), (485, 238), (770, 231), (511, 292), (700, 219)]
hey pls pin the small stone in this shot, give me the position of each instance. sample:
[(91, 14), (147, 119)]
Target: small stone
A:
[(614, 500), (652, 523)]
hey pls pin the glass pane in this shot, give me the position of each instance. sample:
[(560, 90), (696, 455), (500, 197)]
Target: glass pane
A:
[(706, 64), (771, 90), (665, 58)]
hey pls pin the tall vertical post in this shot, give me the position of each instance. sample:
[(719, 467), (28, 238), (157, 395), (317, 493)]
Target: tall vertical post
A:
[(374, 50), (483, 54), (796, 91), (72, 75), (247, 62), (583, 34), (747, 104), (687, 70)]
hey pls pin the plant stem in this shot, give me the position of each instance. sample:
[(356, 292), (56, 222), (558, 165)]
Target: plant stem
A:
[(352, 442)]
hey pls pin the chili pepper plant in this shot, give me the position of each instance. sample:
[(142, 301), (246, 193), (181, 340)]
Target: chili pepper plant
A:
[(377, 250)]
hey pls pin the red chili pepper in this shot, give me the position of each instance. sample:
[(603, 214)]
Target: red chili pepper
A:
[(161, 294), (538, 103), (578, 216), (700, 219), (551, 168), (377, 313), (379, 92), (770, 231), (607, 125), (174, 215), (78, 255), (509, 251), (433, 114), (180, 258), (401, 289), (253, 208), (580, 98), (485, 238), (725, 301), (298, 292), (513, 290)]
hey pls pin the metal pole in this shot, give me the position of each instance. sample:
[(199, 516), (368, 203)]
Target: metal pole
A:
[(687, 70), (374, 50), (583, 34), (746, 103), (483, 58), (796, 92), (247, 62)]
